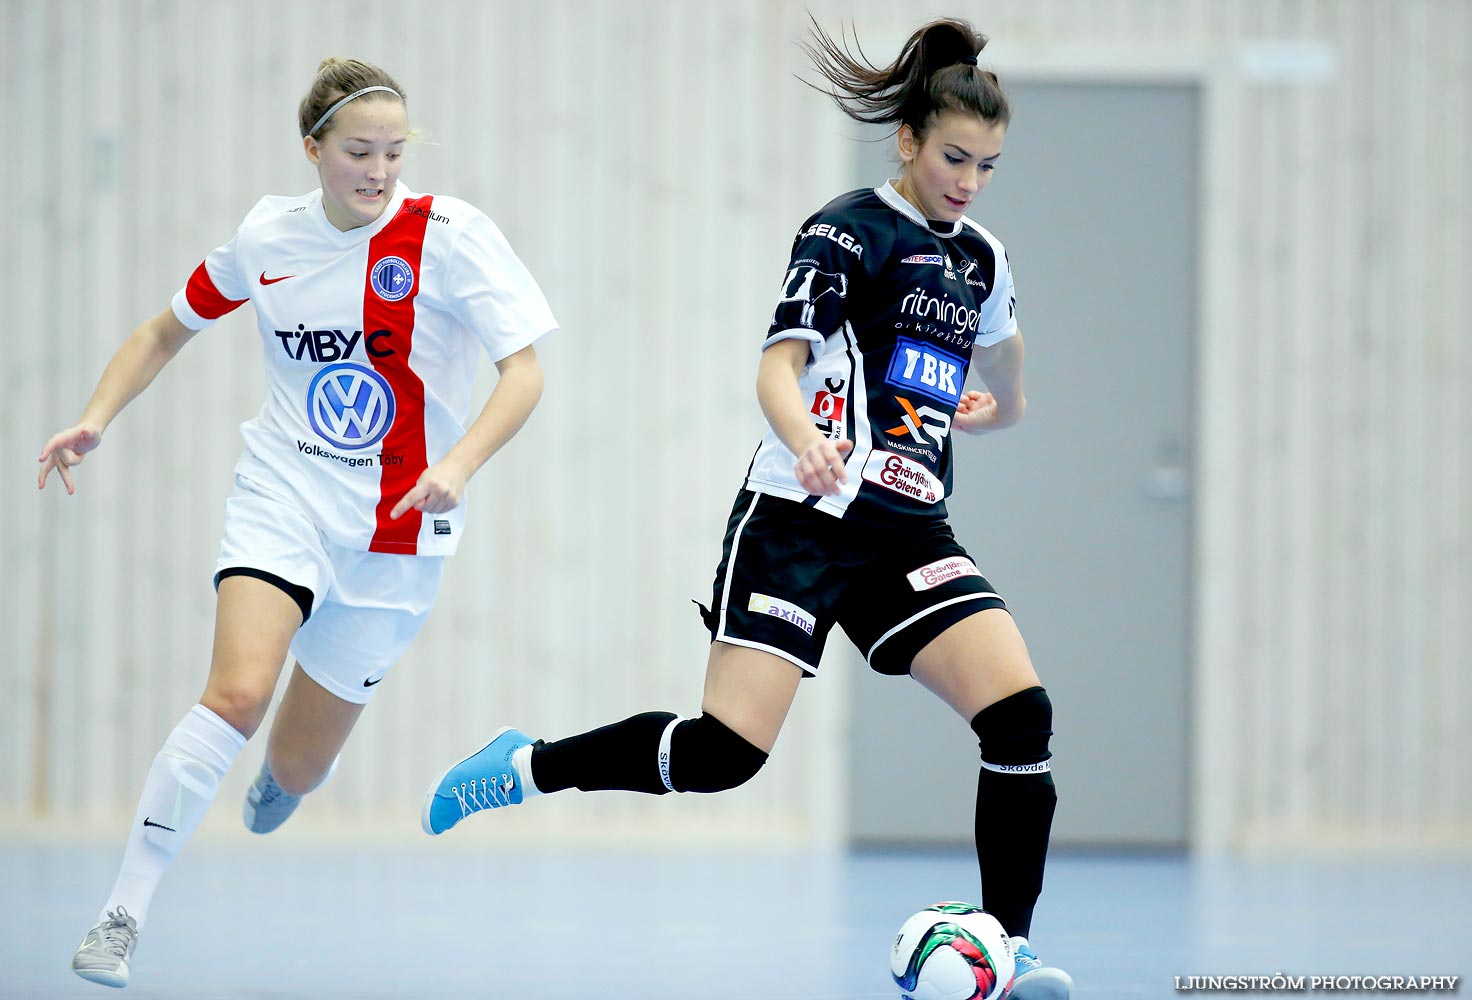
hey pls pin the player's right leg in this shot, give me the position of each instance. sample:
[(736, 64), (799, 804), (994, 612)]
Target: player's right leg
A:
[(254, 623), (747, 695), (980, 667)]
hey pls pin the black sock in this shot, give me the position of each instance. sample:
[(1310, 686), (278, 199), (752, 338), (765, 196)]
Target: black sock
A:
[(1014, 813), (623, 756), (1014, 809)]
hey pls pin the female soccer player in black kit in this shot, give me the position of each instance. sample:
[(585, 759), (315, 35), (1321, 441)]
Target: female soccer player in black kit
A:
[(891, 296)]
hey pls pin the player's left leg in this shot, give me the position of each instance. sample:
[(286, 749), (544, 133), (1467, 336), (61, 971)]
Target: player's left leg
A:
[(980, 667), (747, 695), (781, 572), (311, 726)]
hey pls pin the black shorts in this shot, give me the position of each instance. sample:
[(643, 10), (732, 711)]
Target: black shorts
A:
[(789, 573)]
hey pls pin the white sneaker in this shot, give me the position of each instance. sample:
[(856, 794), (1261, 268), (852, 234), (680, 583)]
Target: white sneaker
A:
[(103, 954)]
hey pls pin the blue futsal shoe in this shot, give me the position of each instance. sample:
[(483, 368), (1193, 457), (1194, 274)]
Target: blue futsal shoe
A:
[(1036, 981), (486, 779)]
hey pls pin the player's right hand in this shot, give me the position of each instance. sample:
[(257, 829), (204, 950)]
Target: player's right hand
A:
[(65, 450), (820, 470)]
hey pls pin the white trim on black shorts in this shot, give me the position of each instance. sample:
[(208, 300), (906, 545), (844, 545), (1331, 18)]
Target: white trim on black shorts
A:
[(811, 671), (721, 635), (731, 563), (869, 656)]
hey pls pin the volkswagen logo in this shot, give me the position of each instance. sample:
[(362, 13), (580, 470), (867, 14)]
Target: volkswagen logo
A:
[(350, 406)]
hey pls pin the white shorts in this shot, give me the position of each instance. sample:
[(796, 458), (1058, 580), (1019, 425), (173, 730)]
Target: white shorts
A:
[(366, 607)]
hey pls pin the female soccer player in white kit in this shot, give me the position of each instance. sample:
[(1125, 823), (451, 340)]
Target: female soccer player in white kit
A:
[(891, 295), (372, 302)]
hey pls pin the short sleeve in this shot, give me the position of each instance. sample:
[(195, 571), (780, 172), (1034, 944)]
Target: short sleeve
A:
[(214, 289), (998, 319), (490, 290), (827, 259)]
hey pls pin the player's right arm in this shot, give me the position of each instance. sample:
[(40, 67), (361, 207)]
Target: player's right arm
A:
[(826, 260), (140, 358), (819, 461)]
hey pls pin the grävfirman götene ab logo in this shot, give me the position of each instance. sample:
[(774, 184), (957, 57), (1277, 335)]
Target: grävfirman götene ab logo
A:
[(350, 406)]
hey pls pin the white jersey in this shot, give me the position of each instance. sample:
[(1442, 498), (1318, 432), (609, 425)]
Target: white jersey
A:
[(371, 340)]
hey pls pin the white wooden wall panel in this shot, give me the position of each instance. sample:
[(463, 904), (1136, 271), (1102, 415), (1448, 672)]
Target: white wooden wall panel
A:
[(26, 564), (649, 161)]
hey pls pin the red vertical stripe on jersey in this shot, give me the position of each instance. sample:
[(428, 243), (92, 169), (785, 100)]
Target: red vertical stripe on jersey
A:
[(205, 299), (403, 237)]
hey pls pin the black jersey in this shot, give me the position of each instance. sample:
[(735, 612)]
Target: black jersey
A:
[(892, 308)]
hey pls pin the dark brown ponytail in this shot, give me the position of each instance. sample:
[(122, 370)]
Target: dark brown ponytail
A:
[(936, 71)]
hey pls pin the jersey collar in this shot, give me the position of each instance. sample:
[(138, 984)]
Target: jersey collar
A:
[(896, 201), (363, 233)]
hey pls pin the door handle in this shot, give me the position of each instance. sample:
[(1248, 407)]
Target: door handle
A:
[(1166, 482)]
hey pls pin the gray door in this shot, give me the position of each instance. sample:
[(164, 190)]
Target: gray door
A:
[(1080, 515)]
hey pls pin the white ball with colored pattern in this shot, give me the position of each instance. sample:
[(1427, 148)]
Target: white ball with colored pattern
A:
[(952, 951)]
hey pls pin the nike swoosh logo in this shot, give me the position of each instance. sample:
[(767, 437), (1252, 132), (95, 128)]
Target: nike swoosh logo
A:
[(369, 684), (149, 822), (271, 281)]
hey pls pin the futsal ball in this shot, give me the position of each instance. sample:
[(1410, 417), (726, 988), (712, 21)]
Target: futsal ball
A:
[(952, 951)]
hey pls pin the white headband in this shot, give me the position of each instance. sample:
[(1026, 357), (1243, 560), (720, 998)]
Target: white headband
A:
[(357, 93)]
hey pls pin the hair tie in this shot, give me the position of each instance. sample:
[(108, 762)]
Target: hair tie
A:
[(968, 60), (357, 93)]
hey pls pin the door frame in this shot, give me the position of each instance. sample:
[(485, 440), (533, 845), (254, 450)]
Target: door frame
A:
[(1220, 73)]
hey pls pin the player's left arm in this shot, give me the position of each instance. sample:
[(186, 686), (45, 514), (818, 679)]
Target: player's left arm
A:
[(517, 390), (1002, 405)]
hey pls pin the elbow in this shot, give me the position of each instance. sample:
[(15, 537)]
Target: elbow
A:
[(163, 334), (531, 387), (522, 372)]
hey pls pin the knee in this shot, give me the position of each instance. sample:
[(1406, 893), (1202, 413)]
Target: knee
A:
[(704, 755), (1014, 733), (240, 702)]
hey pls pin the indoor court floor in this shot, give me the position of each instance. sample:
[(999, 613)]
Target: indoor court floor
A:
[(279, 919)]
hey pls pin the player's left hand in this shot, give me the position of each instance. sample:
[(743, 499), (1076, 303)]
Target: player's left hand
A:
[(439, 489), (978, 412)]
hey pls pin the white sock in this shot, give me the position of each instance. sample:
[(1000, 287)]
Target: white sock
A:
[(521, 759), (180, 786)]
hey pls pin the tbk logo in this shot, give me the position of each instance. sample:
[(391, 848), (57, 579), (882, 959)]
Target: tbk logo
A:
[(392, 278), (350, 406), (927, 370)]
